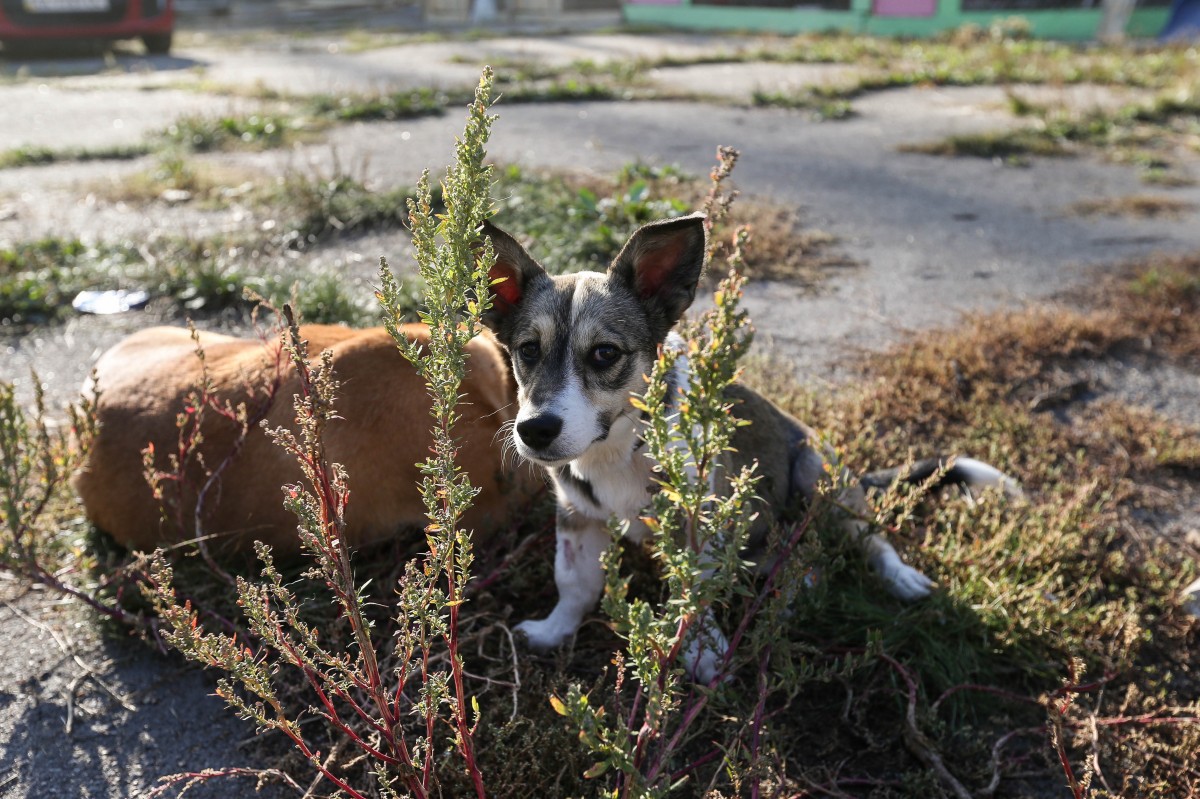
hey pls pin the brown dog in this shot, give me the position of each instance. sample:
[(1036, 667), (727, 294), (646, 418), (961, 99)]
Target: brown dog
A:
[(381, 434)]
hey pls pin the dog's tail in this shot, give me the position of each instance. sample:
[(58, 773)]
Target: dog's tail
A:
[(966, 472)]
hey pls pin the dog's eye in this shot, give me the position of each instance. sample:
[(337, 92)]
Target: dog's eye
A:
[(604, 355), (529, 351)]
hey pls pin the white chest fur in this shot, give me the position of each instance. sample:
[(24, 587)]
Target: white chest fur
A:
[(614, 478)]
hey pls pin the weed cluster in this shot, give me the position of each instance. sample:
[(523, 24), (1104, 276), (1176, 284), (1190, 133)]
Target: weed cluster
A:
[(1141, 133)]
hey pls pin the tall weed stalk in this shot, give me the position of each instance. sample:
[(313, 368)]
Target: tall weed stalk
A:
[(396, 718), (700, 529), (37, 459)]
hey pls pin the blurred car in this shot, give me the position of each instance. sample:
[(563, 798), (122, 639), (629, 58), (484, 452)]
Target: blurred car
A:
[(25, 23)]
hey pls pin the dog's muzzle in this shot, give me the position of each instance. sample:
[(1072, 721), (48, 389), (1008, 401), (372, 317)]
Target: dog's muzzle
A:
[(539, 432)]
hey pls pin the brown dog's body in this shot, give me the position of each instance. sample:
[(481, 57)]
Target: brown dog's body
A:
[(381, 434)]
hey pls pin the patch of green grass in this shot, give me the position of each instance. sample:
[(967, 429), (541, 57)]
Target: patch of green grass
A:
[(31, 155), (1137, 205), (1012, 147), (322, 299), (38, 280), (317, 207), (256, 131), (579, 227), (1140, 133), (972, 56), (367, 108), (822, 108)]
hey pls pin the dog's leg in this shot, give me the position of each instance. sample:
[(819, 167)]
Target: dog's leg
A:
[(902, 580), (578, 575), (704, 648), (809, 470)]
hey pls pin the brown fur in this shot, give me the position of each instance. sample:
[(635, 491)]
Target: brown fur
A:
[(381, 434)]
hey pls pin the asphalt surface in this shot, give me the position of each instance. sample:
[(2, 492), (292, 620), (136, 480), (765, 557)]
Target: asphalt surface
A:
[(934, 237)]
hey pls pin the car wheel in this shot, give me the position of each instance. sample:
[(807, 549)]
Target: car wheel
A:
[(157, 43)]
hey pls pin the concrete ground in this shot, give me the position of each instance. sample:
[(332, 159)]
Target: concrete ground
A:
[(935, 238)]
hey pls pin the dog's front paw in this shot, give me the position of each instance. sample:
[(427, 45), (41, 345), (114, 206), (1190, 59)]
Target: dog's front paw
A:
[(905, 582), (544, 634)]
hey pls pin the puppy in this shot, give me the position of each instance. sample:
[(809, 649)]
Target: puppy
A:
[(381, 432), (580, 346)]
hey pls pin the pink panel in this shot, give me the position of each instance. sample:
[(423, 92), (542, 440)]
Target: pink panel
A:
[(904, 8)]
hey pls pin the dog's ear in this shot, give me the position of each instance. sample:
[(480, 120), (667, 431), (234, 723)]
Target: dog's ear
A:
[(661, 264), (515, 270)]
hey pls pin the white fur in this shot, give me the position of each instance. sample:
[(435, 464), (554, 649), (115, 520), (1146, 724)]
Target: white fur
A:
[(580, 581), (620, 474), (984, 474), (1191, 599)]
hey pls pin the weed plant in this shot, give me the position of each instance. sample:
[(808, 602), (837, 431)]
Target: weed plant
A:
[(1142, 133), (412, 708)]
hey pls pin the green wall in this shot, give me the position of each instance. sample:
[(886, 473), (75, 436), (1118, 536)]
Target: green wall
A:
[(1074, 24)]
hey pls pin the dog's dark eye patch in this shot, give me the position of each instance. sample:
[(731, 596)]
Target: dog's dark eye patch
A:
[(603, 356), (530, 351)]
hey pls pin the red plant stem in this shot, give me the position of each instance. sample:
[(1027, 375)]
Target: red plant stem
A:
[(699, 702), (986, 689), (704, 759), (239, 443), (333, 545), (430, 714), (915, 740), (1084, 688), (1059, 713), (168, 782), (315, 759), (759, 707), (315, 680)]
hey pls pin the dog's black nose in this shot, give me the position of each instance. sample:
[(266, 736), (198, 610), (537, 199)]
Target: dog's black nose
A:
[(540, 431)]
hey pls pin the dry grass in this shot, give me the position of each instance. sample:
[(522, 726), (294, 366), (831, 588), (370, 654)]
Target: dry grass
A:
[(1141, 206), (1083, 570), (178, 179), (1080, 571)]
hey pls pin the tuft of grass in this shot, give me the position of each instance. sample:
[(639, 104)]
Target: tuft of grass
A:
[(369, 108), (582, 222), (176, 178), (1076, 572), (582, 225), (1012, 147), (317, 207), (256, 131), (1136, 205), (821, 107), (1141, 133), (38, 280), (35, 155)]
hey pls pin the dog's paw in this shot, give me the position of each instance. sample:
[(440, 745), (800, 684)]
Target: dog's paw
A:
[(543, 634), (905, 582)]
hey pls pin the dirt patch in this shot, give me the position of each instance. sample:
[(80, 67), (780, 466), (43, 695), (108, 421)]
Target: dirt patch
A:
[(88, 714)]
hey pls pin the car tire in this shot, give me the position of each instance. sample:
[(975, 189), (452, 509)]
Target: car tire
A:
[(157, 43)]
